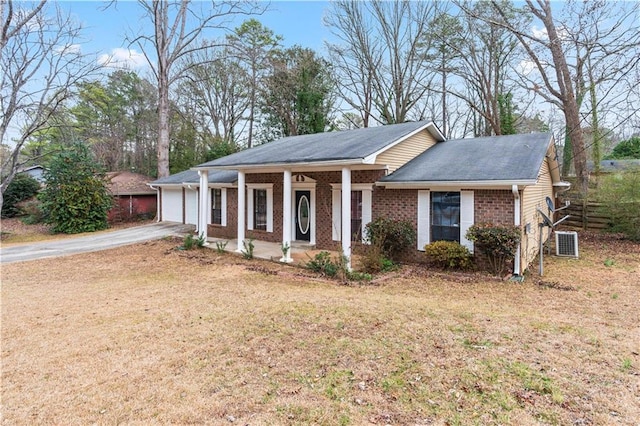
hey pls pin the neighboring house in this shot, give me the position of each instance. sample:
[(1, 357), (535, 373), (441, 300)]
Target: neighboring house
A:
[(35, 172), (614, 166), (323, 189), (134, 199)]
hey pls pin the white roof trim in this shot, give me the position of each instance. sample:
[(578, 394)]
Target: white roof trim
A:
[(481, 184), (283, 166)]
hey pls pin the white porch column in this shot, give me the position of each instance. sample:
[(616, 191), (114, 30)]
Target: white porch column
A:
[(346, 214), (203, 205), (241, 210), (286, 216)]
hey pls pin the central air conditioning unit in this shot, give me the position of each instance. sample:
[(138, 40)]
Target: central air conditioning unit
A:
[(567, 243)]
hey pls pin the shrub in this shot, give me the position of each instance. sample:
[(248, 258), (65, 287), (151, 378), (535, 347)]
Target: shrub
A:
[(75, 197), (373, 260), (392, 236), (191, 242), (221, 246), (21, 188), (499, 243), (248, 247), (448, 255), (620, 197), (359, 276), (323, 264), (32, 209)]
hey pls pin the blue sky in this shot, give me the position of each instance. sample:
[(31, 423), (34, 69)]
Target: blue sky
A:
[(299, 22)]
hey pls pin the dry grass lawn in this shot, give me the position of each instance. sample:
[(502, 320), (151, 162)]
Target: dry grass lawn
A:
[(150, 335)]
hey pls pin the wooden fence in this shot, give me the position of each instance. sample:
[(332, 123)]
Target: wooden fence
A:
[(583, 215)]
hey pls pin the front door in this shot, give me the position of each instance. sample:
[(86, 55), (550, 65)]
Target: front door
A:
[(303, 216)]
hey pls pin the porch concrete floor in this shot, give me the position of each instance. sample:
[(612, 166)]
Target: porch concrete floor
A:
[(269, 251)]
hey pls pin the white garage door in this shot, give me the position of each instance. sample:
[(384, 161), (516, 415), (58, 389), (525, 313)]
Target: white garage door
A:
[(191, 204), (172, 204)]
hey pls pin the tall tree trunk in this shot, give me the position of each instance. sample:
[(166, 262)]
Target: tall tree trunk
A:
[(569, 101), (163, 128)]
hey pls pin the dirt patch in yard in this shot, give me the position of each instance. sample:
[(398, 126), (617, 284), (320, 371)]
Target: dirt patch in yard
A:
[(150, 334)]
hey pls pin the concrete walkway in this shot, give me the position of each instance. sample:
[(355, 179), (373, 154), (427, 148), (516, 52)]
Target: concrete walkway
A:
[(94, 242), (266, 250)]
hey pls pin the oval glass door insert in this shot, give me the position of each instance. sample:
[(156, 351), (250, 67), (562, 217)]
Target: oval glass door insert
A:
[(303, 214)]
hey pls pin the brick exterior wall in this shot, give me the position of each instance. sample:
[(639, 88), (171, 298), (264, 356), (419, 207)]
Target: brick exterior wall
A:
[(323, 205), (230, 231), (492, 206), (495, 206), (398, 204)]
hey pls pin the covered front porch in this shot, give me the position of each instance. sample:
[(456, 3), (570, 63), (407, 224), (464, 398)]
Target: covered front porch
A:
[(298, 207), (299, 253)]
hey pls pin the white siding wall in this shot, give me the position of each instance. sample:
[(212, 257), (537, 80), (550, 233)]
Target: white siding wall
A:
[(397, 156), (191, 206), (172, 204), (532, 198)]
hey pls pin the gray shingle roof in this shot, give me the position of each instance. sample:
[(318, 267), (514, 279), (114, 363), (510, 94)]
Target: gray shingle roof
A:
[(191, 176), (494, 158), (320, 147)]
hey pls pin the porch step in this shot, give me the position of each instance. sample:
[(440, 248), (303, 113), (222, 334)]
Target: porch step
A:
[(303, 245)]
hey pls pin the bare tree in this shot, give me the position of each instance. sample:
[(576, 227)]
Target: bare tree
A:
[(380, 61), (177, 30), (607, 51), (39, 64), (253, 44), (220, 89), (591, 50), (556, 75)]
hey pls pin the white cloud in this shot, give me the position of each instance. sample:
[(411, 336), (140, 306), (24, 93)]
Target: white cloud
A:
[(123, 58), (74, 49), (526, 67), (540, 33)]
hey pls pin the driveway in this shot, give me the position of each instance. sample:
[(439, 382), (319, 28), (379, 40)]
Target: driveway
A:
[(96, 242)]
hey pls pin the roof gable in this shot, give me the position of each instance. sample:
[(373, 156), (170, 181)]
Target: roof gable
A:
[(494, 158), (348, 146)]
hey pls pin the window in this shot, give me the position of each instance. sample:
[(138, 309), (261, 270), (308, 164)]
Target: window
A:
[(361, 196), (356, 215), (260, 206), (260, 209), (445, 216), (216, 206)]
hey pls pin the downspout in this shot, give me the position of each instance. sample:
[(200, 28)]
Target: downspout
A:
[(158, 202), (516, 222)]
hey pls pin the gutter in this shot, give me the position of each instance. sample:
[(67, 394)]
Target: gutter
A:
[(303, 164), (470, 184)]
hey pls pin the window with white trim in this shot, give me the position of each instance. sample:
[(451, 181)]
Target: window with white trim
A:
[(444, 215), (216, 206), (260, 207), (356, 215), (361, 212)]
